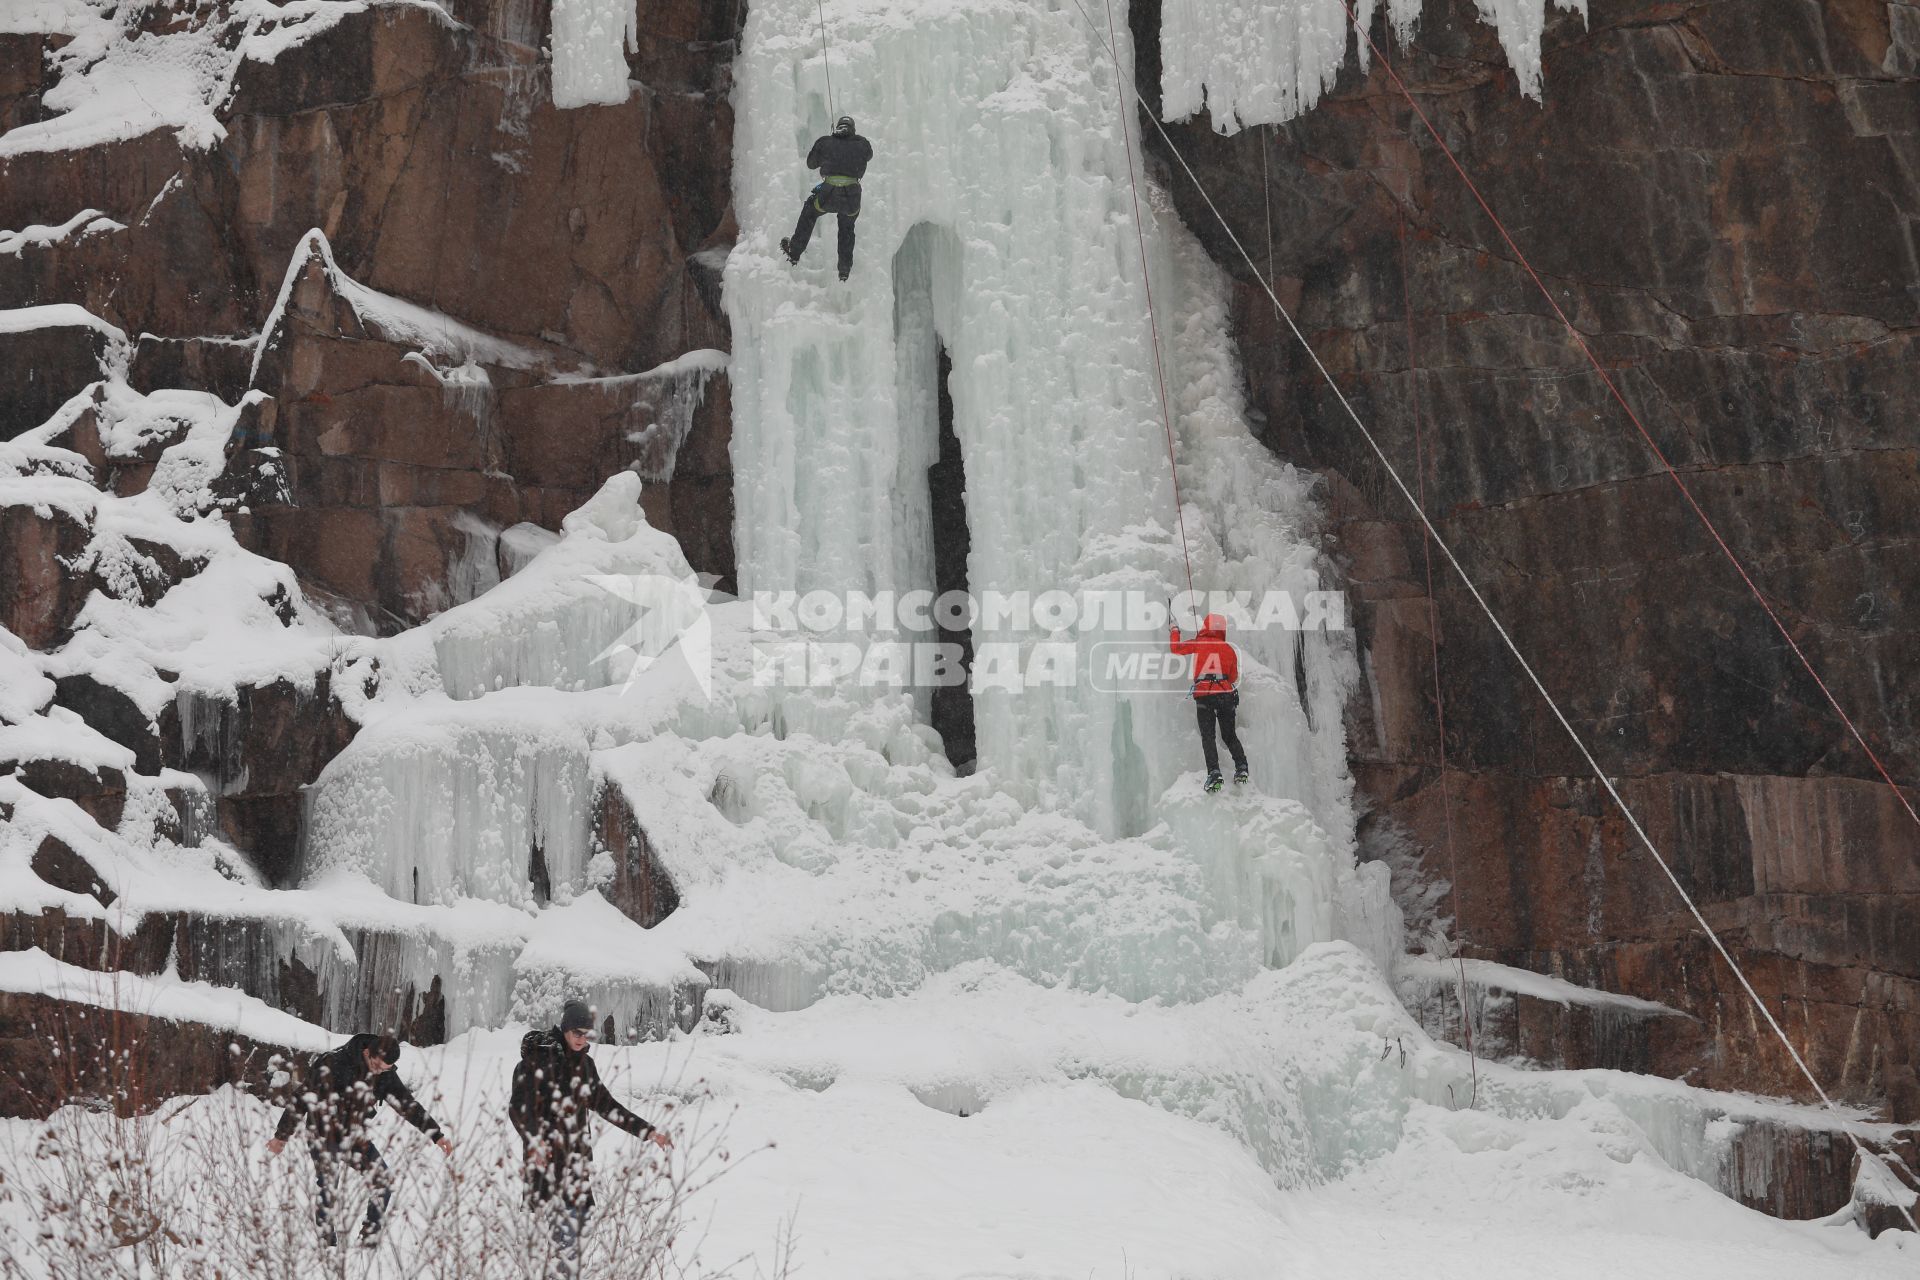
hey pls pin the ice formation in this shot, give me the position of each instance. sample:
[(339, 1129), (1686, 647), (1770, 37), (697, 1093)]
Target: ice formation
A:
[(1007, 236), (590, 43), (1248, 62), (661, 403)]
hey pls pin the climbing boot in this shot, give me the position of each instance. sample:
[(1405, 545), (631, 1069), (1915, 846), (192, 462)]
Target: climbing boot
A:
[(787, 253), (1239, 777), (845, 272), (1214, 782)]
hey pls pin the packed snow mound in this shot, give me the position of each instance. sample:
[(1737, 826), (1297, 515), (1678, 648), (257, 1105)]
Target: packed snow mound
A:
[(810, 865), (1251, 62)]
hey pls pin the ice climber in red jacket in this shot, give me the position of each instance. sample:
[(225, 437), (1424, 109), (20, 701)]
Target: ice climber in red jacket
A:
[(1216, 676)]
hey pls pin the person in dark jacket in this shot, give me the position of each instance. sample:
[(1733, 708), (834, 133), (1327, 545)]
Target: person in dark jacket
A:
[(335, 1095), (842, 159), (1216, 694), (555, 1087)]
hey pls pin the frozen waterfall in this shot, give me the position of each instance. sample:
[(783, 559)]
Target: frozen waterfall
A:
[(1071, 927), (1000, 226)]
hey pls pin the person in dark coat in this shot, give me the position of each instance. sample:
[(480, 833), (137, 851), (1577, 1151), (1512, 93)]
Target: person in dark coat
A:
[(555, 1087), (842, 159), (1216, 694), (335, 1095)]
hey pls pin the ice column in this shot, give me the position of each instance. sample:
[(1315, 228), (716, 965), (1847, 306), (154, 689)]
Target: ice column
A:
[(590, 40), (998, 222), (1268, 61)]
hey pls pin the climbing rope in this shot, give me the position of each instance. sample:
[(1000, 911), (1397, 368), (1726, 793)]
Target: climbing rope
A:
[(1153, 322), (1613, 388), (1473, 589), (826, 58)]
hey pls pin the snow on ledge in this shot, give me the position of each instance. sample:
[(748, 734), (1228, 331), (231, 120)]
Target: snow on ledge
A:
[(395, 319), (1525, 982), (58, 315), (35, 972), (39, 236), (118, 82)]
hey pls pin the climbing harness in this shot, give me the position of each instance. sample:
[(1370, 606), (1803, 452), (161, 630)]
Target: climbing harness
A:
[(1506, 638)]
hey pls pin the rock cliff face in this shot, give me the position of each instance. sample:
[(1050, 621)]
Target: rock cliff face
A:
[(449, 312), (428, 155), (1724, 198)]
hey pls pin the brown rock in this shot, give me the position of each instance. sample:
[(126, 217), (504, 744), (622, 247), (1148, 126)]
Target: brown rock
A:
[(56, 1052), (1765, 335), (258, 753), (58, 865), (100, 792), (120, 179), (42, 369), (219, 365), (39, 595), (91, 942), (641, 888), (114, 715), (23, 76)]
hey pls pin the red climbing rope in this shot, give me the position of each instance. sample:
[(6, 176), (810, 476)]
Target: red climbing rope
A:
[(1633, 417), (1433, 639), (1153, 322)]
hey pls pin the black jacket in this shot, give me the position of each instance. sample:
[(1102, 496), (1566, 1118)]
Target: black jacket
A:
[(554, 1089), (335, 1097), (840, 157)]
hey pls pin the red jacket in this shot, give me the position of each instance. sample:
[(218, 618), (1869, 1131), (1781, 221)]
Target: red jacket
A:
[(1215, 669)]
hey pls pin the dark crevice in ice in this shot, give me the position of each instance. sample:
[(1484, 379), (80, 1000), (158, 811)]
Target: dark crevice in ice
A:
[(947, 489)]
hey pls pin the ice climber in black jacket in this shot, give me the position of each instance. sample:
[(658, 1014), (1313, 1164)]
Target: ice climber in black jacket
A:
[(555, 1086), (842, 159), (335, 1094)]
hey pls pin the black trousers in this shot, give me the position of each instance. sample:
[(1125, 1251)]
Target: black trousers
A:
[(1218, 709), (826, 198), (330, 1164)]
